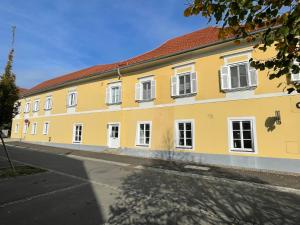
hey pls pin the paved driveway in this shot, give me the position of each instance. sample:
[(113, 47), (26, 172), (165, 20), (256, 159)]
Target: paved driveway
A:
[(78, 190)]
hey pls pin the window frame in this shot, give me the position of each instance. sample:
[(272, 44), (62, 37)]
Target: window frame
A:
[(27, 109), (137, 139), (17, 127), (140, 83), (70, 93), (46, 132), (231, 148), (48, 98), (34, 128), (178, 83), (177, 146), (36, 105), (74, 133), (25, 128), (110, 87)]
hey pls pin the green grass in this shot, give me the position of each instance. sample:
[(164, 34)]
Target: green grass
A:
[(20, 171)]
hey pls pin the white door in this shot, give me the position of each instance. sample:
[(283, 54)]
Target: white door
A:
[(113, 135)]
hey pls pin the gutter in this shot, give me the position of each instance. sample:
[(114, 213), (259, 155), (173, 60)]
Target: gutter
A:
[(118, 69)]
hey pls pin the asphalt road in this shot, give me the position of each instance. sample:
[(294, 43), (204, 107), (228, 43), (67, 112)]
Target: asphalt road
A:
[(77, 190)]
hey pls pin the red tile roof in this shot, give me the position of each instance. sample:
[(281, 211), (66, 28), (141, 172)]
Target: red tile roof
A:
[(186, 42), (22, 90)]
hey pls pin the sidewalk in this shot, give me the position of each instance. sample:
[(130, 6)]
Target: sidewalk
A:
[(254, 176)]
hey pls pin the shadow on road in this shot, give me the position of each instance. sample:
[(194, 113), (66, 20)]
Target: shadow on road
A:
[(156, 199)]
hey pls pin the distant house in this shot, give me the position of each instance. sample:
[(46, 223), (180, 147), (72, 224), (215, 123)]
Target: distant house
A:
[(194, 95)]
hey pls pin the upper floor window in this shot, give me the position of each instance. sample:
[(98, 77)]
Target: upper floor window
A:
[(238, 76), (184, 84), (295, 77), (27, 107), (145, 89), (48, 103), (113, 93), (72, 99), (36, 105)]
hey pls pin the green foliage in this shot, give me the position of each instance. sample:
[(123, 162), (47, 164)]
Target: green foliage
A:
[(8, 93), (277, 20)]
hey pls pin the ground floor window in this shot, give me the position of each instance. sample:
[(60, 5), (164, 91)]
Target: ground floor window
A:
[(17, 128), (241, 135), (184, 134), (77, 133), (33, 128), (25, 128), (46, 128), (143, 133)]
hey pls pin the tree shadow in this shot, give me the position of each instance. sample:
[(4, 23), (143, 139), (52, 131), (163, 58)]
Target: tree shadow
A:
[(164, 199), (53, 197), (270, 123)]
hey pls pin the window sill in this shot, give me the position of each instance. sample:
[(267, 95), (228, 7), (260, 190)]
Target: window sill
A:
[(147, 100), (71, 106), (117, 103), (184, 147), (239, 89), (144, 146), (252, 151), (76, 142), (185, 95), (47, 109)]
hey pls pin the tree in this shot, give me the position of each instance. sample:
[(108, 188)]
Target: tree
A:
[(8, 98), (263, 22)]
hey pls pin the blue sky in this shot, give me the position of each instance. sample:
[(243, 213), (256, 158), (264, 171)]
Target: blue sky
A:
[(55, 37)]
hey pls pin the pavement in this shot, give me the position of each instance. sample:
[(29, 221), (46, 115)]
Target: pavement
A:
[(100, 188)]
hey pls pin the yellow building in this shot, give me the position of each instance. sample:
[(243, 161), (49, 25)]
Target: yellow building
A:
[(195, 96)]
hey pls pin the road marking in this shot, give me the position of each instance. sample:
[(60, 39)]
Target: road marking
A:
[(43, 195), (98, 160)]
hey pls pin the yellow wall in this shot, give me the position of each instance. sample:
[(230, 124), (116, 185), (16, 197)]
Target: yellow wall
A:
[(210, 110)]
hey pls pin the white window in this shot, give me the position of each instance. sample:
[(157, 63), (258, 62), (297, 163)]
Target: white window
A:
[(34, 128), (27, 107), (46, 128), (25, 128), (36, 105), (238, 76), (242, 135), (184, 134), (113, 93), (17, 128), (77, 133), (295, 77), (184, 84), (143, 137), (72, 99), (48, 103), (145, 89)]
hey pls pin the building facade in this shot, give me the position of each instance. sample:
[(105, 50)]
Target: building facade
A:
[(194, 98)]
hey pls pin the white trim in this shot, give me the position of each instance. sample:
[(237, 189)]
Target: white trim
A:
[(206, 101), (247, 53), (142, 80), (107, 132), (25, 109), (75, 100), (46, 133), (176, 134), (36, 102), (34, 128), (230, 135), (110, 86), (74, 130), (46, 99), (183, 64), (137, 135)]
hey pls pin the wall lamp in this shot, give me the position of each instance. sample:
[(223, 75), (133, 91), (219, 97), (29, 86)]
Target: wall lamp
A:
[(277, 117)]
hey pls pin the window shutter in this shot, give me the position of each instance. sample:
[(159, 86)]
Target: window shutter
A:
[(107, 99), (295, 77), (137, 91), (194, 82), (68, 99), (224, 73), (75, 98), (120, 94), (174, 85), (153, 88), (252, 76)]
